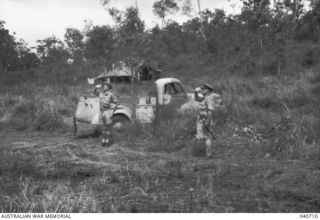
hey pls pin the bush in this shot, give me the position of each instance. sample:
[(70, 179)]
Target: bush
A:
[(132, 133), (32, 113), (269, 103), (169, 125)]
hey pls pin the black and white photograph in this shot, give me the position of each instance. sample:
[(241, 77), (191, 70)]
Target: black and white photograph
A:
[(159, 106)]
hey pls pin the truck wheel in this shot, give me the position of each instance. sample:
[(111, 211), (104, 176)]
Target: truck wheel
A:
[(120, 121)]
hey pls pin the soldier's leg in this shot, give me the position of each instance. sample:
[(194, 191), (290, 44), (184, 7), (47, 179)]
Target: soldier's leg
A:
[(105, 139), (107, 133), (108, 117), (209, 143), (200, 129), (104, 120), (209, 147)]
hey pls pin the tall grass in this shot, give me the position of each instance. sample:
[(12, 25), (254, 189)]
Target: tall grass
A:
[(34, 108)]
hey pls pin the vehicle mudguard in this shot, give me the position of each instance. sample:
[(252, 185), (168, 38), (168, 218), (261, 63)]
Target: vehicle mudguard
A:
[(124, 111)]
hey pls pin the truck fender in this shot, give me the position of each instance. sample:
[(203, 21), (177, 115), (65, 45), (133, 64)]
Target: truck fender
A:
[(120, 110), (123, 110)]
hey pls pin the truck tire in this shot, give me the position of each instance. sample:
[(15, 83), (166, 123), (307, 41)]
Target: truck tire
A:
[(120, 121)]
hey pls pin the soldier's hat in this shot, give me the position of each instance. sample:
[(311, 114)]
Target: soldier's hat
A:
[(207, 86)]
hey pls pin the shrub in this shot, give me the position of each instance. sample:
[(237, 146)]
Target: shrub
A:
[(171, 125), (32, 113), (269, 103), (132, 133)]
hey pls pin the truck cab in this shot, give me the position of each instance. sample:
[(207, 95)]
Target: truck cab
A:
[(168, 91)]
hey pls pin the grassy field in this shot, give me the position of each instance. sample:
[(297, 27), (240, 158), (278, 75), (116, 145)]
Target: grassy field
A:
[(266, 153)]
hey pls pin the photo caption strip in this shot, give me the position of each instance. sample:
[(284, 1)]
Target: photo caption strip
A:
[(161, 216), (35, 216)]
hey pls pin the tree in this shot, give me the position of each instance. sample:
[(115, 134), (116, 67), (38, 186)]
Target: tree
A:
[(316, 19), (186, 7), (129, 34), (255, 14), (27, 59), (163, 8), (74, 40), (201, 20), (51, 50), (14, 55), (295, 8), (100, 43), (8, 53)]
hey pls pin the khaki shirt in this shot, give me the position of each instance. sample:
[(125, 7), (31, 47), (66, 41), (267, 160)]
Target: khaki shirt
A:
[(107, 100), (210, 103)]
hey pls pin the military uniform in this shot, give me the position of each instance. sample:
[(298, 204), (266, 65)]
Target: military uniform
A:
[(207, 105), (210, 103), (107, 101)]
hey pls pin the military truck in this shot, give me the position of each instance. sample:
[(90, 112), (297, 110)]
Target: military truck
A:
[(163, 92)]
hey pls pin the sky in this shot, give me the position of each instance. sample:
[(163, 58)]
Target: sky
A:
[(32, 20)]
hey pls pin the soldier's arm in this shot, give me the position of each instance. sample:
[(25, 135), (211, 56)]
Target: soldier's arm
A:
[(114, 98), (95, 91), (218, 101), (197, 95), (214, 102), (104, 100), (209, 117), (210, 102)]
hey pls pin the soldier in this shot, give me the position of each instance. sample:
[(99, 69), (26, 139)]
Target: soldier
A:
[(108, 103), (208, 102)]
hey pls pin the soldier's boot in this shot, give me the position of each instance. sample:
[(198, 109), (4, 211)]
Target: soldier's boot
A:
[(107, 137), (104, 140)]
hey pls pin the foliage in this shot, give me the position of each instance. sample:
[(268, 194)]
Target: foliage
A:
[(129, 33), (258, 40), (14, 55), (99, 43), (75, 42), (162, 8), (51, 51), (8, 54)]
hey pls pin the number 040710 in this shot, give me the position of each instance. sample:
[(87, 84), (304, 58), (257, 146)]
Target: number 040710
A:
[(307, 216)]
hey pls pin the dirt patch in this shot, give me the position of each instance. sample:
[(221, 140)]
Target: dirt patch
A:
[(124, 179)]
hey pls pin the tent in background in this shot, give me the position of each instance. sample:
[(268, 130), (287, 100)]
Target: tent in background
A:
[(122, 73), (117, 74)]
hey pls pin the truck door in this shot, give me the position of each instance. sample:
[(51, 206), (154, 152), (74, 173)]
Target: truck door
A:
[(174, 94)]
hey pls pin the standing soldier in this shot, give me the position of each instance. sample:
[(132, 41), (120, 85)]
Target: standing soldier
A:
[(108, 103), (208, 102)]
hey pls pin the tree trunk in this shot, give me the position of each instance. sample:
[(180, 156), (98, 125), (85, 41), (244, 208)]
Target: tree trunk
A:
[(201, 21), (132, 73), (163, 18)]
